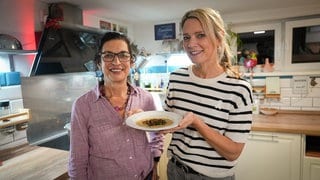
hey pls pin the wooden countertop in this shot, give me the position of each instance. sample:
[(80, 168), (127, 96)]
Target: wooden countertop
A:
[(12, 119), (33, 162), (298, 122)]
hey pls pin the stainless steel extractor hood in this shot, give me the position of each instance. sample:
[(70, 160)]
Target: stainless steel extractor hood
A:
[(58, 76), (65, 45)]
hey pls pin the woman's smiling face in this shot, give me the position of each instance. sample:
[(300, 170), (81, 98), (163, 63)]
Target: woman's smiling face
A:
[(115, 71), (196, 43)]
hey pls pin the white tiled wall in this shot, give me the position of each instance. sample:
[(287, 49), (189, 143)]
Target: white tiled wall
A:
[(14, 139), (293, 101), (288, 99), (16, 105), (5, 139), (10, 92)]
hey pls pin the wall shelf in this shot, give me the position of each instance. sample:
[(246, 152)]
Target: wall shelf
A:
[(11, 53), (17, 52), (283, 74), (14, 119)]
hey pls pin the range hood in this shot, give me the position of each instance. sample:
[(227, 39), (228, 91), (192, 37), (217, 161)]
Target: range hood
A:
[(66, 46), (62, 71)]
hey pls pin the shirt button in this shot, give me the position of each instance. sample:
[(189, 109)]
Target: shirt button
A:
[(135, 176), (130, 157), (128, 140)]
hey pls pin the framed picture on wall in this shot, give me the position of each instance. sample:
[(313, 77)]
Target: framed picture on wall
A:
[(302, 40), (105, 25), (114, 27), (165, 31), (123, 29)]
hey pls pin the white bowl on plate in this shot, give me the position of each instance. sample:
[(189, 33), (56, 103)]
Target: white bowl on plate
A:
[(268, 111)]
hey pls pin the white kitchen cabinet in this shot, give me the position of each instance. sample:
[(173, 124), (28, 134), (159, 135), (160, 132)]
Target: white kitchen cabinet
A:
[(271, 156), (311, 168)]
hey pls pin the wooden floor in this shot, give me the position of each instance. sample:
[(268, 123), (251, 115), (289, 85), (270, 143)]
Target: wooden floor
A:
[(33, 162)]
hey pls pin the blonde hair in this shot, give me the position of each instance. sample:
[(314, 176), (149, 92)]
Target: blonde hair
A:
[(213, 26)]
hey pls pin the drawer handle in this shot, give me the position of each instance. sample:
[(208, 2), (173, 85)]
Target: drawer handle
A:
[(270, 138)]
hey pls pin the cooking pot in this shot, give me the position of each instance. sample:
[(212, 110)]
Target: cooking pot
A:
[(9, 42)]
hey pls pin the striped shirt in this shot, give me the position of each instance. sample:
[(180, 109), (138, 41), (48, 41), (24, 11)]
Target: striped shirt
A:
[(224, 103)]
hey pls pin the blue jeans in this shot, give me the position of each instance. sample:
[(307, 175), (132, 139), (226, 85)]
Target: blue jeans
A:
[(176, 173)]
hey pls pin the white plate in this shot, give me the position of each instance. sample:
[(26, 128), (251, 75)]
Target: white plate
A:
[(132, 120)]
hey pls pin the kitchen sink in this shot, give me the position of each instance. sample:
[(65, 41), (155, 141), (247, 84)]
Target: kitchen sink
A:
[(62, 142)]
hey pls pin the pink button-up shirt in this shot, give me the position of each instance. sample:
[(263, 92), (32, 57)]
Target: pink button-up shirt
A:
[(103, 147)]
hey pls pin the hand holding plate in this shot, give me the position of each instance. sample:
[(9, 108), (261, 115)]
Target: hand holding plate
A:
[(187, 120)]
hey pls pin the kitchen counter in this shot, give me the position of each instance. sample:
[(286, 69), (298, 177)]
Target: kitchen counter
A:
[(298, 122), (33, 162), (16, 118), (48, 163)]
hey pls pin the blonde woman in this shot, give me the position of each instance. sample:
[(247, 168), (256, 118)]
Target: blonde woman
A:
[(215, 102)]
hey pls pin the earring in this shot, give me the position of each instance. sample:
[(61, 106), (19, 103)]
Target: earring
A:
[(218, 50)]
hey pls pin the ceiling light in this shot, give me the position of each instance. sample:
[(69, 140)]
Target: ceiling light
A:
[(259, 32)]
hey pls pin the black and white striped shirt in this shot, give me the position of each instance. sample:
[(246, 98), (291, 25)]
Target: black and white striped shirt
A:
[(224, 103)]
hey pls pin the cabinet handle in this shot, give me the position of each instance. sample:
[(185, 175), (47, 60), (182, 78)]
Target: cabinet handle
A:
[(263, 137)]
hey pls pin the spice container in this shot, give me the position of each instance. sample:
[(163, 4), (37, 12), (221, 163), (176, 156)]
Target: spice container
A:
[(255, 106), (4, 108)]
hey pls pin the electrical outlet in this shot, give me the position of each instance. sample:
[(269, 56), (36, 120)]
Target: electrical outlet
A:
[(300, 84), (313, 81)]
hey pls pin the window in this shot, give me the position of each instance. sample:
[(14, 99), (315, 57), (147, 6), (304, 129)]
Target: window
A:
[(302, 44), (265, 39), (261, 42)]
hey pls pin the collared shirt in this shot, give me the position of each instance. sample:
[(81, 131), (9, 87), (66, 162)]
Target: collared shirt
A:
[(102, 146)]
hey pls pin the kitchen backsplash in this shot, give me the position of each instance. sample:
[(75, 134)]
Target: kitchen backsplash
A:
[(289, 99)]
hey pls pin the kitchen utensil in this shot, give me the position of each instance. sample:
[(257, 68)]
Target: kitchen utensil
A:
[(9, 42)]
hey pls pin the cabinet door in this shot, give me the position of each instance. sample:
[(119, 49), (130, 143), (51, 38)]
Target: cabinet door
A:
[(270, 156), (311, 170)]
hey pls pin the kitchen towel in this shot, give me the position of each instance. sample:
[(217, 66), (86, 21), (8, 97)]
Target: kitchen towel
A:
[(13, 78), (2, 79)]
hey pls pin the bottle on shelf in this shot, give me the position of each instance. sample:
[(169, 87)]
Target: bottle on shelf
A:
[(267, 66)]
